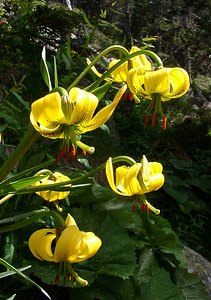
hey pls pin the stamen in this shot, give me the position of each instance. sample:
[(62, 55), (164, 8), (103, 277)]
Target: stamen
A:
[(74, 152), (164, 122), (83, 152), (146, 120), (153, 119)]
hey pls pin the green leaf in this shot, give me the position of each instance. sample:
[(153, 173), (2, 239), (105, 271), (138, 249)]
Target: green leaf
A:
[(20, 184), (31, 282), (12, 297), (20, 99), (110, 260), (44, 69), (153, 281), (191, 285), (55, 72), (9, 273), (104, 289)]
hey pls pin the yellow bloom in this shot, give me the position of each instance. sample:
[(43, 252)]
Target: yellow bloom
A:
[(158, 86), (72, 245), (55, 116), (167, 82), (52, 195), (141, 178), (120, 73)]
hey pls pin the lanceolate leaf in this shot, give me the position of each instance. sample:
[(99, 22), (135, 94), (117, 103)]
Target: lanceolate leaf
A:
[(44, 69), (18, 272)]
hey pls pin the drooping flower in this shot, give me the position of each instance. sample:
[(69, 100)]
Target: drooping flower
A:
[(48, 195), (139, 179), (71, 244), (158, 86), (120, 73), (67, 117)]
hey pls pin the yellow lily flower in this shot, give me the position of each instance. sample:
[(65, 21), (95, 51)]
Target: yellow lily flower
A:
[(72, 245), (158, 86), (120, 73), (48, 195), (139, 179), (167, 82), (67, 117)]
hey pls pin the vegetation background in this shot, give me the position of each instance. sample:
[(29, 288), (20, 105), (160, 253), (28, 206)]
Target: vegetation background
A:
[(179, 32)]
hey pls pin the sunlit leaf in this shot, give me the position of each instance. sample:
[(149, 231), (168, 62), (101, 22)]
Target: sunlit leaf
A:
[(44, 69), (10, 267)]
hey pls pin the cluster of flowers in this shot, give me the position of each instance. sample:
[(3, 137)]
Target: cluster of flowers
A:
[(67, 116)]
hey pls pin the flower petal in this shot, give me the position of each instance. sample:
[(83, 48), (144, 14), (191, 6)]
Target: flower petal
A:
[(110, 176), (157, 82), (74, 245), (90, 244), (132, 184), (40, 243), (140, 61), (51, 195), (84, 103), (120, 73), (180, 82), (47, 115), (103, 115), (68, 245), (135, 81)]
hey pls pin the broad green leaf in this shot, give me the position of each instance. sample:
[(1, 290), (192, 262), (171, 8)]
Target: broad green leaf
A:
[(191, 285), (153, 281), (110, 260), (106, 288)]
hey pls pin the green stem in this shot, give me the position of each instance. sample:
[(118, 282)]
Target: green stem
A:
[(75, 276), (103, 53), (58, 220), (25, 144), (149, 53), (53, 186)]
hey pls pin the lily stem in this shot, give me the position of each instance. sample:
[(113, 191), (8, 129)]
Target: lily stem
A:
[(25, 144), (58, 220), (103, 53)]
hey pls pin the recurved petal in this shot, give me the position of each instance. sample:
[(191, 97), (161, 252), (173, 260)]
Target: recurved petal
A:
[(70, 220), (180, 82), (135, 81), (96, 71), (120, 73), (40, 243), (47, 112), (132, 184), (68, 245), (155, 182), (140, 61), (90, 244), (157, 82), (84, 103), (103, 115), (110, 176)]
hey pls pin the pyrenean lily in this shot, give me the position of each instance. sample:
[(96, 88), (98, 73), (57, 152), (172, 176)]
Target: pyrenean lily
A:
[(158, 86), (48, 195), (121, 72), (64, 245), (67, 117), (139, 179)]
